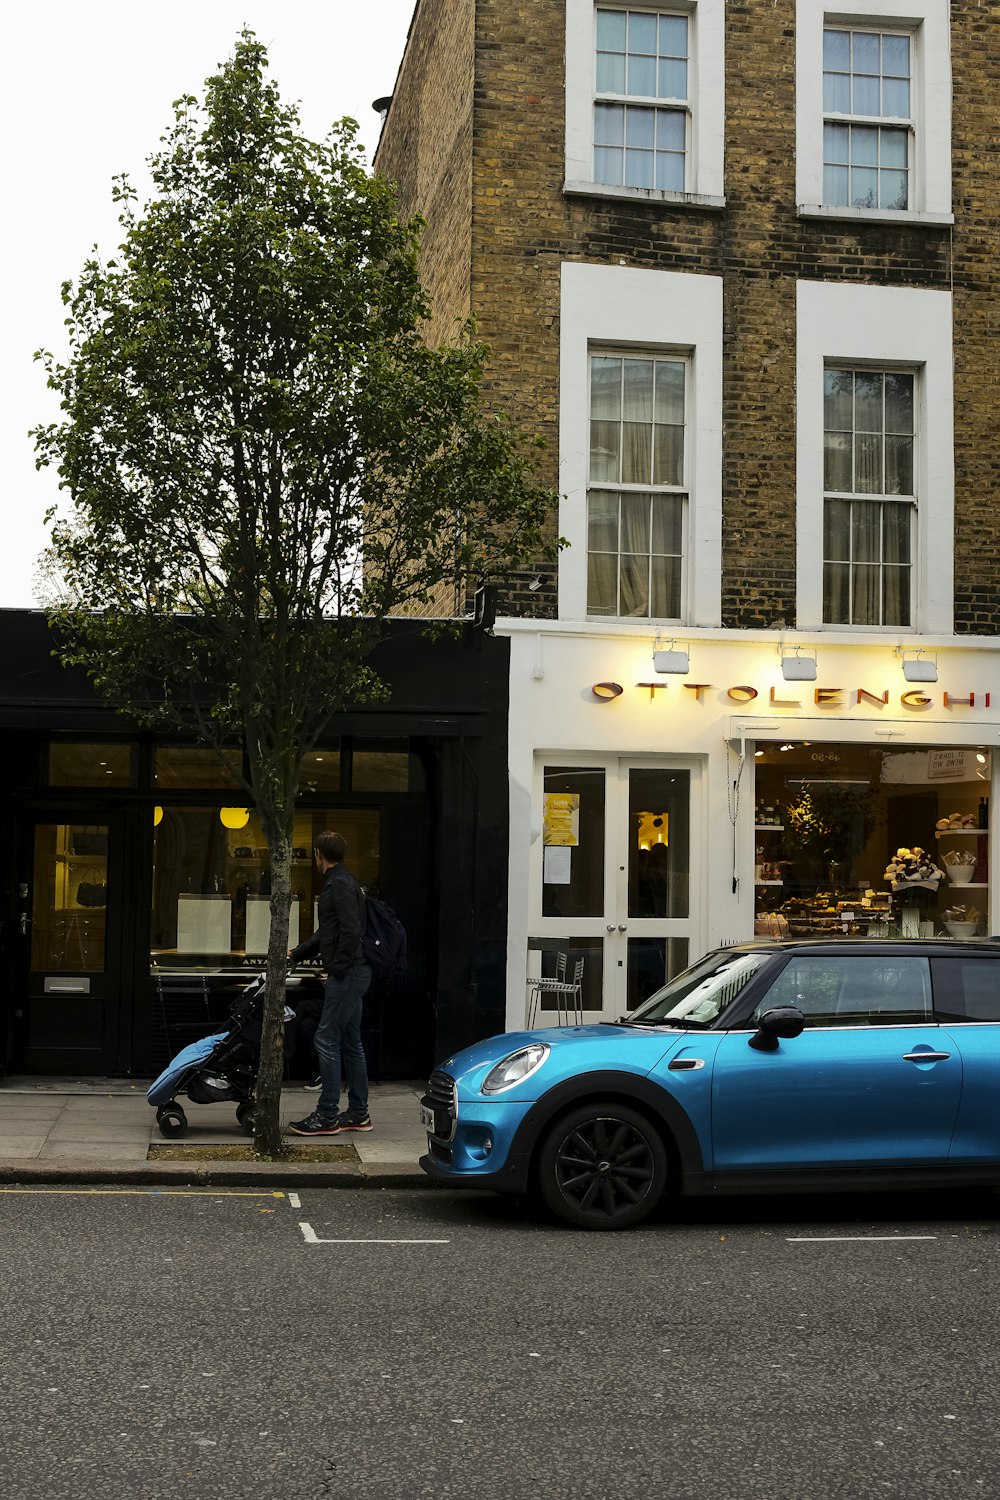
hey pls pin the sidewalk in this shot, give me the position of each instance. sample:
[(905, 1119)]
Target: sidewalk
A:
[(56, 1130)]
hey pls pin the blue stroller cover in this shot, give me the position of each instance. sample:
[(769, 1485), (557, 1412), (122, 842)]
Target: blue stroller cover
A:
[(163, 1088)]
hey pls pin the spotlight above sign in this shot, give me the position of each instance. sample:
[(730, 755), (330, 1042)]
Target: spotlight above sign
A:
[(917, 666), (671, 658), (796, 667)]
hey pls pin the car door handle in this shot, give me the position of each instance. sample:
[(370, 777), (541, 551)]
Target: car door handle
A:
[(685, 1064), (926, 1056)]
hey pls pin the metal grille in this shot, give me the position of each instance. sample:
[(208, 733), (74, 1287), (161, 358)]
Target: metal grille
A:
[(441, 1091)]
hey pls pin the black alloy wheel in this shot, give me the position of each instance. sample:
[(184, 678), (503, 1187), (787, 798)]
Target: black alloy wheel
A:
[(604, 1166)]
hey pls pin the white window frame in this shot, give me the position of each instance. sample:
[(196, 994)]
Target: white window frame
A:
[(929, 24), (882, 497), (648, 490), (623, 308), (906, 328), (706, 102)]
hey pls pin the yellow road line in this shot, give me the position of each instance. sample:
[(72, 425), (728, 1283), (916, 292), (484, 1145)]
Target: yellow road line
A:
[(150, 1192)]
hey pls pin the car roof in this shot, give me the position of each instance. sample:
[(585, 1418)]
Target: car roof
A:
[(988, 947)]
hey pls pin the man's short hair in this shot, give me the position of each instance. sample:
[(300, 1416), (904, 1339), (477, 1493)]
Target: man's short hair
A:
[(332, 846)]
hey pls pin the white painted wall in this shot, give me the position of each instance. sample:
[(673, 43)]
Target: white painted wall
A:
[(553, 711)]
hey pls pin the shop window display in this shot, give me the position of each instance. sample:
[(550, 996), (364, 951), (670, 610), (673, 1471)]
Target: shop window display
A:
[(858, 841), (212, 884)]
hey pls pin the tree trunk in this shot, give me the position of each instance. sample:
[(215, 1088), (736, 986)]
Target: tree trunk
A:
[(267, 1122)]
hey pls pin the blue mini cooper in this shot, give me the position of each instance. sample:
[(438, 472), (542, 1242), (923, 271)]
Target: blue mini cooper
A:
[(765, 1067)]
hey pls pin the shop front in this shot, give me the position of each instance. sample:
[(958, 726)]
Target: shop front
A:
[(671, 797), (136, 873)]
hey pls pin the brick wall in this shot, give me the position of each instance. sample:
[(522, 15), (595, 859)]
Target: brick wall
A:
[(976, 197), (524, 228)]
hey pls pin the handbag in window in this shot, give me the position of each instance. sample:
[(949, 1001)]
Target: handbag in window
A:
[(92, 890)]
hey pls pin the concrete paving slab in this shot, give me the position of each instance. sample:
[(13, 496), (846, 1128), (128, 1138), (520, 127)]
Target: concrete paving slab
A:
[(20, 1145), (95, 1151), (29, 1110), (93, 1131)]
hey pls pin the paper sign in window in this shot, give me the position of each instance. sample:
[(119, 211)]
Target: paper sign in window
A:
[(561, 824), (556, 864)]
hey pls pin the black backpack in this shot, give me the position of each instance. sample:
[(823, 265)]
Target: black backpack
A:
[(384, 940)]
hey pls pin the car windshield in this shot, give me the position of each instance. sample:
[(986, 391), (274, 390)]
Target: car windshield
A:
[(699, 995)]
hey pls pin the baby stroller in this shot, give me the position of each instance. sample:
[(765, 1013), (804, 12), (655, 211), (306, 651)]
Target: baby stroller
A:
[(216, 1069)]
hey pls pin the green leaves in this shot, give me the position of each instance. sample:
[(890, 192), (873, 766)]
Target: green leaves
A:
[(256, 441)]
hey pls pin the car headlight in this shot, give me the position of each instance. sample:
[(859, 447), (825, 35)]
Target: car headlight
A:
[(515, 1068)]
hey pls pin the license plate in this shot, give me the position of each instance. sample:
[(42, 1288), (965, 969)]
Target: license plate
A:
[(427, 1119)]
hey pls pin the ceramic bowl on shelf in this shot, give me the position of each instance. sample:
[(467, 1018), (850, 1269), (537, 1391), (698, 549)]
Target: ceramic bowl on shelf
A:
[(960, 874), (961, 929)]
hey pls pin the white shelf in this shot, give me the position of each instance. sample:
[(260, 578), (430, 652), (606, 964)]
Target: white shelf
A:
[(946, 833), (769, 882), (968, 885), (769, 827)]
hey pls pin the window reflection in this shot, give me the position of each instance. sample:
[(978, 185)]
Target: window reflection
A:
[(319, 771), (380, 766), (89, 763), (195, 767)]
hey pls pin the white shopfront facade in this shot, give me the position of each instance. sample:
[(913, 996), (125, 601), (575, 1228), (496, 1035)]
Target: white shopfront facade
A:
[(635, 837)]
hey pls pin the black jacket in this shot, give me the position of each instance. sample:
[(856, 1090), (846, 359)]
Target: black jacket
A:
[(341, 923)]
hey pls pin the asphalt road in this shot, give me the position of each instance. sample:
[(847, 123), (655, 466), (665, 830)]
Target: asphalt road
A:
[(388, 1344)]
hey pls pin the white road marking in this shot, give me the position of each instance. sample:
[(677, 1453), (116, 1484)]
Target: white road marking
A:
[(293, 1200), (311, 1238), (830, 1239)]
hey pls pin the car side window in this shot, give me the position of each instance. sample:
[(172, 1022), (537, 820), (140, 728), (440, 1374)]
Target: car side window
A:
[(853, 990), (967, 989)]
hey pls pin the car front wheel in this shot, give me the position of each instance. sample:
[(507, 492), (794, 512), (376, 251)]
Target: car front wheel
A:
[(604, 1166)]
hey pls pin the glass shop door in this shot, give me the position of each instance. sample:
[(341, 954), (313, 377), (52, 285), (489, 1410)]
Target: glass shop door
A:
[(70, 927), (614, 874)]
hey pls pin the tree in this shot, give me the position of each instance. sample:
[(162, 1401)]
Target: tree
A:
[(265, 460)]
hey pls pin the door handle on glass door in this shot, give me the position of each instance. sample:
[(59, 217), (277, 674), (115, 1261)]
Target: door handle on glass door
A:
[(622, 927), (611, 926)]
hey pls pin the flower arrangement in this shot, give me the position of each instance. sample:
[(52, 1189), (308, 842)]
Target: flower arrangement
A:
[(913, 867)]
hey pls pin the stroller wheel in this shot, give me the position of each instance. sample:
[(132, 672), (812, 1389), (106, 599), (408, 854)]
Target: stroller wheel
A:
[(244, 1116), (172, 1121)]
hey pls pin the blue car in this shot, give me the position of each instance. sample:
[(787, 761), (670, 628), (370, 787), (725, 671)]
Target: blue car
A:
[(765, 1067)]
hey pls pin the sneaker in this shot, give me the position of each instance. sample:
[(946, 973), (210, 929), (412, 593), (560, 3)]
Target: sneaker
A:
[(353, 1122), (316, 1124), (314, 1084)]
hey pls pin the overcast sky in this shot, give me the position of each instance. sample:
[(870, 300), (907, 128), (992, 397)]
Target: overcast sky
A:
[(87, 94)]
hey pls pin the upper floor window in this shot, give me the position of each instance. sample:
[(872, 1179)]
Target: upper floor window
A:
[(867, 120), (641, 108), (645, 100), (869, 499), (873, 94), (636, 507)]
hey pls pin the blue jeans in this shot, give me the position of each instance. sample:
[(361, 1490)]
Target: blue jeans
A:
[(338, 1036)]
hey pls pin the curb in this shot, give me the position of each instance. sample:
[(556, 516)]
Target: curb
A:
[(214, 1174)]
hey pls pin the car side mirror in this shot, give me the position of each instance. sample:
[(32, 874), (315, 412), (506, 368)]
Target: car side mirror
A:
[(783, 1021)]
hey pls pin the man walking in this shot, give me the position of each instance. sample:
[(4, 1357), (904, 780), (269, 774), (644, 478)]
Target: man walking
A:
[(337, 939)]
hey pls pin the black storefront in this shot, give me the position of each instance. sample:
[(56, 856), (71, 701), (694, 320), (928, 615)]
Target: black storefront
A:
[(134, 878)]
